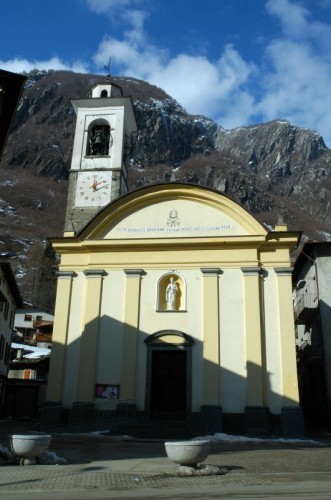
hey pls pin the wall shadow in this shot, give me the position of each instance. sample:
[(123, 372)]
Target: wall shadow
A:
[(233, 387)]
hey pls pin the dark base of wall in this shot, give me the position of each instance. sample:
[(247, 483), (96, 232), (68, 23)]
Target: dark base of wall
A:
[(127, 410), (287, 424), (292, 423), (211, 418), (233, 423), (257, 421)]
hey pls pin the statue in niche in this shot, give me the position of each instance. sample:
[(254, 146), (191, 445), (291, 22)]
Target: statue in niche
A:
[(171, 295)]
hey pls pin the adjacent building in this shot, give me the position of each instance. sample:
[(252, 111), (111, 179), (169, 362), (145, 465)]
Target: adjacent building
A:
[(29, 361), (33, 326), (10, 299), (312, 304), (11, 87)]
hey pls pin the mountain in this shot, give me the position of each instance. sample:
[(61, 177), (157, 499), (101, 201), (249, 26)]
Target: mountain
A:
[(273, 169)]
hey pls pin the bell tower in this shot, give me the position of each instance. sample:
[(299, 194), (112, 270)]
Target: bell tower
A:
[(99, 169)]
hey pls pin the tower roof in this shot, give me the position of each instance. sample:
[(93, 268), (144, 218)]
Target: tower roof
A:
[(106, 89)]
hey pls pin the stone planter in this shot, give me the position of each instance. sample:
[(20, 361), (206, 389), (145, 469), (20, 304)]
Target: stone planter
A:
[(189, 453), (29, 446)]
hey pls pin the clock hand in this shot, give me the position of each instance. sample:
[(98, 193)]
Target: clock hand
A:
[(101, 187), (95, 184)]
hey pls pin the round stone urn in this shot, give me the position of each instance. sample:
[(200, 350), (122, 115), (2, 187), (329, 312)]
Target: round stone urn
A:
[(189, 453), (29, 446)]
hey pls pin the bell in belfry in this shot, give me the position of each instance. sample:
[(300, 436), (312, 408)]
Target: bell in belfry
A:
[(98, 142)]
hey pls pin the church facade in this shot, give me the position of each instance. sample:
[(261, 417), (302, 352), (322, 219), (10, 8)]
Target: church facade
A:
[(173, 296)]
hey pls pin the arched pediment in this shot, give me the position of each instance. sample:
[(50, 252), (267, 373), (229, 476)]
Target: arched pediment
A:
[(172, 211)]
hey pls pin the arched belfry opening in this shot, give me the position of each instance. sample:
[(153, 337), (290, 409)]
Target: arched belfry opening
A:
[(99, 139), (171, 292), (169, 368), (104, 93)]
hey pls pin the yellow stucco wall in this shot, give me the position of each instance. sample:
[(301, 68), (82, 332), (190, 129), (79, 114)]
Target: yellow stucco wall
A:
[(231, 312)]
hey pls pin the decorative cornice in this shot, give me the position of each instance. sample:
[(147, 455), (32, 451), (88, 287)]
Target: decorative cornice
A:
[(66, 274), (284, 271), (252, 271), (94, 273), (211, 271), (134, 273)]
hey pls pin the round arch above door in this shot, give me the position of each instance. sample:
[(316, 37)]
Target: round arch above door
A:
[(170, 337)]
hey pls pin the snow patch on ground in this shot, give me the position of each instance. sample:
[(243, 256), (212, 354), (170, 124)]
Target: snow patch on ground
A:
[(227, 438), (51, 458), (245, 439), (7, 457)]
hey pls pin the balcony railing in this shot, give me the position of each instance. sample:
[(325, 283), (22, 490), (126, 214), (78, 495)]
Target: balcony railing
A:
[(41, 322)]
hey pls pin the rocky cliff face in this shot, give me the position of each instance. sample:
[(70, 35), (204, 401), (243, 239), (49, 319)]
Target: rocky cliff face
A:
[(166, 134), (285, 162), (272, 168)]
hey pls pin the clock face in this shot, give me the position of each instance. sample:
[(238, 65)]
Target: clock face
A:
[(93, 189)]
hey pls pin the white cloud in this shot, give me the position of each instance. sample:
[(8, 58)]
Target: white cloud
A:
[(132, 49), (298, 81), (110, 6), (195, 82), (296, 23), (133, 59), (129, 10), (199, 85), (136, 18), (19, 65), (293, 82), (299, 85), (292, 16)]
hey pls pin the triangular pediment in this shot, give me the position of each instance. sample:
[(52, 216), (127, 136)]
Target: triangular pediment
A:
[(172, 211)]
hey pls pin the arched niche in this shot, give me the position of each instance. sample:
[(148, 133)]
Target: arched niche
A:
[(171, 293), (99, 140)]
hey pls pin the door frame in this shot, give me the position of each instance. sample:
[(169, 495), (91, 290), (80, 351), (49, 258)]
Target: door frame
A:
[(155, 343)]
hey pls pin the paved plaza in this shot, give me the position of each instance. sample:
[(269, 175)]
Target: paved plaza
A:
[(104, 466)]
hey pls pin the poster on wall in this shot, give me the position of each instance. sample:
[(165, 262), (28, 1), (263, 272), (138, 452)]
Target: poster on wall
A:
[(107, 391)]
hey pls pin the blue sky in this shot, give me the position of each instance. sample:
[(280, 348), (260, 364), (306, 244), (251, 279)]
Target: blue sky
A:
[(239, 62)]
